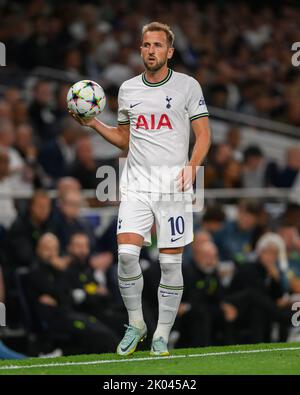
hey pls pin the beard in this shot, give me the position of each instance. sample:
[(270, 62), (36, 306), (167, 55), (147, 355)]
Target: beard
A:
[(155, 66)]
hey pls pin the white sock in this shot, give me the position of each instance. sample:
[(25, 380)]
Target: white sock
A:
[(131, 283), (169, 293)]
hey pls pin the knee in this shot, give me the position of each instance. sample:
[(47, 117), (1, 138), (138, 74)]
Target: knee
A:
[(170, 265), (128, 257)]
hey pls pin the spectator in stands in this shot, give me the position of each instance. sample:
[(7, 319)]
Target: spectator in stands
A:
[(290, 234), (200, 236), (35, 49), (218, 95), (57, 156), (12, 95), (8, 211), (73, 62), (292, 214), (61, 103), (67, 184), (258, 288), (119, 70), (288, 175), (67, 219), (85, 167), (232, 178), (220, 155), (101, 264), (17, 168), (5, 352), (20, 113), (42, 113), (26, 230), (292, 113), (24, 143), (27, 149), (204, 317), (5, 110), (89, 279), (213, 219), (257, 172), (64, 185), (53, 303), (233, 138), (235, 240), (13, 107)]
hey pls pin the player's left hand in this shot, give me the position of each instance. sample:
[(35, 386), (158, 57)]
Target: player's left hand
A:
[(186, 178)]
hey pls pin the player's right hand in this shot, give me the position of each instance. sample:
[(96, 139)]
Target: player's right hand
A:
[(83, 121)]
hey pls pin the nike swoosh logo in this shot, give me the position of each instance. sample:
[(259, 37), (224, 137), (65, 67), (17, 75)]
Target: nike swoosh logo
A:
[(176, 239), (133, 105), (126, 348)]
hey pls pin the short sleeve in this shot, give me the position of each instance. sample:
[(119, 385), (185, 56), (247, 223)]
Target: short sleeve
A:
[(196, 106), (123, 118)]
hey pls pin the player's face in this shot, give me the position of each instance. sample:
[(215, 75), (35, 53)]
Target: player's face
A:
[(155, 50)]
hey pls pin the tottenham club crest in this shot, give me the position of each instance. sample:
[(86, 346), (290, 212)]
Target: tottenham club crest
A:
[(120, 223), (168, 99)]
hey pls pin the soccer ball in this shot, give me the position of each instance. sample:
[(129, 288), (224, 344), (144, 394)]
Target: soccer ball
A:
[(86, 98)]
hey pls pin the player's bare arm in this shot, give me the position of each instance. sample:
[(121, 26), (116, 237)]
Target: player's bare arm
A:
[(118, 136), (187, 175)]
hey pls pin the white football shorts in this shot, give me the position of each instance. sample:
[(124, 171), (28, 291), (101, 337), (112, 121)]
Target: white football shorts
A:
[(172, 214)]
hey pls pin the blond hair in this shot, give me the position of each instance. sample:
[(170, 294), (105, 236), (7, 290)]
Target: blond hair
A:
[(157, 26)]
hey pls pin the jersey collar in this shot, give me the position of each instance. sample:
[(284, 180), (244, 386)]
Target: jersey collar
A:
[(166, 79)]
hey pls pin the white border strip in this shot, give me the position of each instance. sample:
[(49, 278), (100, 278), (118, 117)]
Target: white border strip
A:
[(213, 354)]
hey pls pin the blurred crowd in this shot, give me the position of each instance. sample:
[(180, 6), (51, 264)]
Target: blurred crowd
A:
[(238, 51), (58, 276), (230, 166)]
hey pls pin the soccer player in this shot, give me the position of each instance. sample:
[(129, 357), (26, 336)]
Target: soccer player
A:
[(155, 112)]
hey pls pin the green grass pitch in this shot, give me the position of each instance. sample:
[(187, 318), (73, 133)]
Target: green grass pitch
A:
[(270, 359)]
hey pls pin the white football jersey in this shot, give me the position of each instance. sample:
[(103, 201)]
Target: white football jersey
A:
[(159, 115)]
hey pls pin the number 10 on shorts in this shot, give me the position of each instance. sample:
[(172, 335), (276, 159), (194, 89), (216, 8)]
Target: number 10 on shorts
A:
[(177, 227)]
